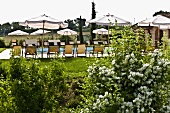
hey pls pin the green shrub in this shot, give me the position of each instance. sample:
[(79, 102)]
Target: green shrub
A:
[(2, 43), (33, 88), (128, 82)]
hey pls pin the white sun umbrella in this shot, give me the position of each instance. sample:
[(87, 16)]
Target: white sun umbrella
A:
[(101, 31), (44, 22), (39, 32), (159, 20), (109, 20), (18, 32), (67, 32)]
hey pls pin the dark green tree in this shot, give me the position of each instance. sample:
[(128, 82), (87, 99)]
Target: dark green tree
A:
[(71, 24), (80, 30), (93, 25), (163, 13), (6, 28), (16, 26)]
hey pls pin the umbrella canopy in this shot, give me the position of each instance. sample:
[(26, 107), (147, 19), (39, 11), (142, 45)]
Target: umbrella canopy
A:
[(157, 20), (109, 20), (101, 31), (160, 21), (67, 32), (44, 22), (18, 32), (39, 32)]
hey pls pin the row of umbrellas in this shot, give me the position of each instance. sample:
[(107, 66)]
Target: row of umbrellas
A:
[(40, 31), (46, 22), (61, 32), (110, 20)]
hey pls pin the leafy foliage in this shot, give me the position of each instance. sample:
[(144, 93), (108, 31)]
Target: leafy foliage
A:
[(42, 85), (93, 25), (163, 13), (2, 43), (131, 81), (33, 88)]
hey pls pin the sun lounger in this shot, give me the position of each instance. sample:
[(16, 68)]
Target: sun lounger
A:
[(30, 50), (16, 50), (68, 50), (52, 50), (81, 49), (98, 49)]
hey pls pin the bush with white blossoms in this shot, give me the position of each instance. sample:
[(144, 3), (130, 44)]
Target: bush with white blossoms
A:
[(131, 85), (129, 82)]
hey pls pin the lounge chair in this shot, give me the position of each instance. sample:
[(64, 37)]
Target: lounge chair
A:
[(68, 50), (81, 49), (52, 50), (98, 49), (30, 50), (17, 51)]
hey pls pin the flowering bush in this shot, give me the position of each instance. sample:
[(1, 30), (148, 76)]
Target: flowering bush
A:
[(129, 82)]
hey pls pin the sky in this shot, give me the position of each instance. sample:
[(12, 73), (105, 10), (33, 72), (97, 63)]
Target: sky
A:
[(130, 10)]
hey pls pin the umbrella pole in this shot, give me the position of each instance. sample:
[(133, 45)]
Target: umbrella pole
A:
[(42, 40)]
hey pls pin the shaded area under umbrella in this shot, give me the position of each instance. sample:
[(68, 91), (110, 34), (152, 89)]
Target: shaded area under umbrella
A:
[(67, 32), (44, 22), (109, 20)]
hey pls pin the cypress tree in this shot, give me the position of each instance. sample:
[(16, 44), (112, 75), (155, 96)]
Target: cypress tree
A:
[(93, 25), (80, 31)]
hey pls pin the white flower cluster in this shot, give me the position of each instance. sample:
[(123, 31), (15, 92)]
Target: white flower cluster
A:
[(101, 101), (144, 81), (126, 107), (143, 98), (130, 59), (156, 53)]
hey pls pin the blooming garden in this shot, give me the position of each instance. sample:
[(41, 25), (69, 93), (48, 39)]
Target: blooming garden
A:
[(134, 79), (130, 81)]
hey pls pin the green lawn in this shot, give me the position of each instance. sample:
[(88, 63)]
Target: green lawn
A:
[(2, 49), (74, 66)]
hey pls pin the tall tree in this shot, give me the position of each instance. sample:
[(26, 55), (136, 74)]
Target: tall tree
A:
[(16, 26), (80, 31), (71, 24), (93, 25), (163, 13), (6, 28)]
